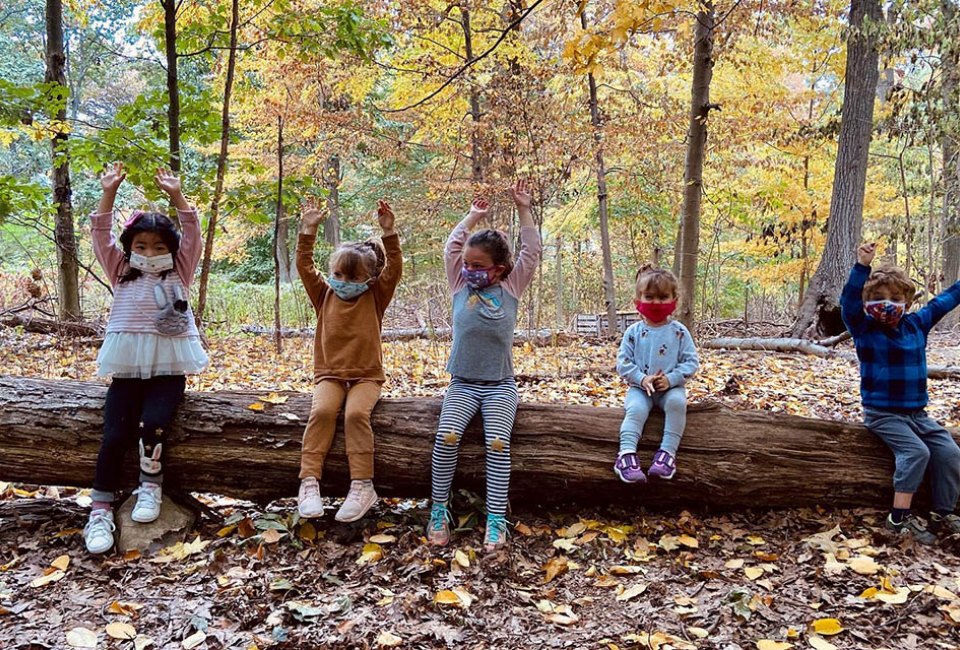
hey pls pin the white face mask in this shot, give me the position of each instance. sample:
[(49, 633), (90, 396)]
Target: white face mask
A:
[(155, 264)]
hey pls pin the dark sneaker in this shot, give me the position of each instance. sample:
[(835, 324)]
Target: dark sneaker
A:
[(912, 526), (628, 469), (664, 465), (946, 524)]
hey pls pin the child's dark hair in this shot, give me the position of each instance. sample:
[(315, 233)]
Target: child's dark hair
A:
[(155, 222), (351, 258), (656, 281), (494, 243)]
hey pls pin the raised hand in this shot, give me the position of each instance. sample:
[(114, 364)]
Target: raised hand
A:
[(112, 177), (385, 216), (168, 181), (479, 209), (866, 253), (311, 218), (521, 195)]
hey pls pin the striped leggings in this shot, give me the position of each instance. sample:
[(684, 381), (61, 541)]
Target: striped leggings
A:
[(497, 404)]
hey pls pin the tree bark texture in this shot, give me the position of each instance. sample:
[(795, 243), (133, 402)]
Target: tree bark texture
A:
[(64, 234), (950, 147), (700, 106), (277, 329), (173, 84), (850, 171), (50, 432), (221, 163), (476, 150), (609, 289), (331, 177)]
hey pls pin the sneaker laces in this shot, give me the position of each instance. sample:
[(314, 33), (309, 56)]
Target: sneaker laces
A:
[(310, 488), (355, 495), (439, 514), (496, 529), (101, 521), (147, 495)]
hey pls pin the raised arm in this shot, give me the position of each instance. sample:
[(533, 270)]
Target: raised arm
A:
[(386, 284), (530, 245), (687, 362), (313, 281), (191, 242), (851, 298), (453, 251), (101, 224), (939, 307)]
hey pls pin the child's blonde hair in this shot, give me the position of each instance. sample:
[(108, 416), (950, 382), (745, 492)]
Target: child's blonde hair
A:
[(891, 277), (356, 260), (656, 281)]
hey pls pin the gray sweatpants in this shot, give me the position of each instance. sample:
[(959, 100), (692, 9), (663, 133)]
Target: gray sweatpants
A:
[(917, 442), (638, 406)]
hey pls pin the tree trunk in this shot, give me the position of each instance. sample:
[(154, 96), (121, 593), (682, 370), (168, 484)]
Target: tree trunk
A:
[(221, 164), (821, 301), (173, 87), (283, 247), (609, 290), (277, 338), (689, 245), (50, 432), (331, 177), (950, 145), (476, 149), (64, 235)]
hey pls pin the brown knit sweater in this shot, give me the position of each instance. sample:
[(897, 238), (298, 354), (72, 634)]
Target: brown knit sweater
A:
[(347, 344)]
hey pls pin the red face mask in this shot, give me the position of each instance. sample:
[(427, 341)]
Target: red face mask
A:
[(655, 311)]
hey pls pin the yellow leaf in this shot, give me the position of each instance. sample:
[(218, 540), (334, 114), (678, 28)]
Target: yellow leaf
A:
[(256, 406), (371, 553), (820, 644), (382, 539), (61, 562), (753, 572), (865, 566), (122, 631), (124, 608), (756, 540), (898, 597), (226, 530), (54, 576), (274, 398), (827, 626), (632, 592), (734, 564), (698, 632), (461, 558), (447, 597), (307, 531), (688, 541), (624, 570), (616, 535), (767, 644)]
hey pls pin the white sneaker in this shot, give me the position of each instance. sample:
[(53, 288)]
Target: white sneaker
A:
[(98, 533), (361, 498), (309, 502), (149, 498)]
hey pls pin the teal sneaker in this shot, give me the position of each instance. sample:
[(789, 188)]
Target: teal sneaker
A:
[(438, 528), (496, 535)]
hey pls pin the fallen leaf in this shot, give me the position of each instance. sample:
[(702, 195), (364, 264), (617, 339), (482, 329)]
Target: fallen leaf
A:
[(194, 640), (81, 637), (669, 542), (827, 626), (623, 570), (257, 406), (371, 553), (388, 639), (688, 541), (734, 564), (461, 558), (451, 597), (271, 536), (61, 562), (767, 644), (382, 539), (142, 641), (753, 572), (820, 644), (275, 398), (124, 608), (756, 540), (865, 566), (122, 631), (53, 576), (632, 592)]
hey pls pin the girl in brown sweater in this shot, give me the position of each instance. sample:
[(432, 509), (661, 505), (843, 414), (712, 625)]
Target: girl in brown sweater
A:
[(347, 357)]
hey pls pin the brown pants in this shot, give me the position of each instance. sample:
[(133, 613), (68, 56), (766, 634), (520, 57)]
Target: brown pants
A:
[(328, 398)]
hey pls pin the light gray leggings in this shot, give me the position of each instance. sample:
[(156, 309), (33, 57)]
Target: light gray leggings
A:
[(638, 406)]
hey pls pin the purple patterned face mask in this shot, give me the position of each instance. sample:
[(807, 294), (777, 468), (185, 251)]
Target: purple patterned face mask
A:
[(885, 312), (477, 278)]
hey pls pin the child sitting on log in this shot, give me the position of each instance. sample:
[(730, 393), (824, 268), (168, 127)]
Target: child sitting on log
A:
[(657, 357), (150, 345), (347, 356), (892, 348), (486, 287)]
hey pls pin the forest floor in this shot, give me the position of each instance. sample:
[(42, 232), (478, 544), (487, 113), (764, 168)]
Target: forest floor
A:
[(257, 577)]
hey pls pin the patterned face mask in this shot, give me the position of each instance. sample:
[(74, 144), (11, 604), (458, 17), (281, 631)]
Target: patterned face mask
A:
[(155, 264), (885, 312), (347, 290), (477, 278)]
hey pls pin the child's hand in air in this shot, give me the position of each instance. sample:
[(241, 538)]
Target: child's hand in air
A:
[(478, 210), (866, 253), (521, 194), (311, 218), (170, 184), (385, 217), (112, 177)]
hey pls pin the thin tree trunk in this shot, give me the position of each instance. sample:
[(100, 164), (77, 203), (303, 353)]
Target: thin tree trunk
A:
[(221, 164), (609, 291), (173, 86), (277, 338), (283, 247), (64, 235), (331, 177), (850, 174), (559, 277), (950, 146), (693, 165), (476, 149)]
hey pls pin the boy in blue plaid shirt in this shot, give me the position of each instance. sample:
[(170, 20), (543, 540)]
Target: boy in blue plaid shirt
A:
[(892, 348)]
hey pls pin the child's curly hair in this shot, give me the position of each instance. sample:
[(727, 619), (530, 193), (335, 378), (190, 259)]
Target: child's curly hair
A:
[(494, 243), (656, 282), (893, 278), (359, 259)]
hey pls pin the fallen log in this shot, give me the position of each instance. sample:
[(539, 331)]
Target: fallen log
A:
[(813, 348), (50, 433), (538, 337), (49, 326)]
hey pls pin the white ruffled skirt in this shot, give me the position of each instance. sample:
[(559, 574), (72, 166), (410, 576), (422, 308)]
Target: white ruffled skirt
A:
[(142, 355)]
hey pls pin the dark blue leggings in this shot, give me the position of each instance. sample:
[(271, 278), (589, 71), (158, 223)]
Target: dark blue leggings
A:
[(136, 409)]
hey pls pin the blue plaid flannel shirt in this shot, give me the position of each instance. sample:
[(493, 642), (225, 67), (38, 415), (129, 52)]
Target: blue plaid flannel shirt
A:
[(893, 362)]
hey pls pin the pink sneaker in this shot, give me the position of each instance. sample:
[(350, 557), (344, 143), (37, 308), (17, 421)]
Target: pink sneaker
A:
[(664, 465), (628, 469)]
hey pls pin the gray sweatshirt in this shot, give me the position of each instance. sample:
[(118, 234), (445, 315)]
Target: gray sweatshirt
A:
[(645, 350)]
